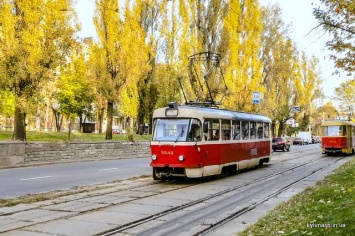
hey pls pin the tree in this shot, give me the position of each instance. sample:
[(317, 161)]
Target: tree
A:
[(280, 69), (75, 91), (35, 38), (97, 72), (201, 27), (243, 34), (147, 86), (325, 112), (345, 94), (338, 19), (122, 40), (290, 80), (7, 103)]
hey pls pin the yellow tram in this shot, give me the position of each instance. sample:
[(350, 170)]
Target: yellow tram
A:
[(338, 136)]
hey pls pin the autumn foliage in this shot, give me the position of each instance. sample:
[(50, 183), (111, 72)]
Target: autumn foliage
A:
[(141, 51)]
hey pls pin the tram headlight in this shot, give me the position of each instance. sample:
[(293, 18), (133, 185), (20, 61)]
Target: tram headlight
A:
[(154, 157), (181, 158)]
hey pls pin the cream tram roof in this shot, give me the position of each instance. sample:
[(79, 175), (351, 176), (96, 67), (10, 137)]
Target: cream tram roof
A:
[(187, 111), (336, 122)]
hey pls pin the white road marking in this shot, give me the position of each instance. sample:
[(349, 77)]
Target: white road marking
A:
[(108, 169), (40, 177)]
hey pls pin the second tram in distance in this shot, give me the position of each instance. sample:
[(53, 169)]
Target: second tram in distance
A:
[(194, 141), (338, 136)]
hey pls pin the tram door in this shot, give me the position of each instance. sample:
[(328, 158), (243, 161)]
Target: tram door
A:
[(349, 141), (253, 148)]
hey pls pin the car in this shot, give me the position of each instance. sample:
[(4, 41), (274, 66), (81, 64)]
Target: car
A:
[(298, 141), (118, 131), (280, 143)]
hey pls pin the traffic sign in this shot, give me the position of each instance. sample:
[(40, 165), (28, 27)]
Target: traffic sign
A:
[(296, 109), (256, 98)]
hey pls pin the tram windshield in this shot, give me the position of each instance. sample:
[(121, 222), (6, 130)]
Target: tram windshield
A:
[(177, 130), (335, 130)]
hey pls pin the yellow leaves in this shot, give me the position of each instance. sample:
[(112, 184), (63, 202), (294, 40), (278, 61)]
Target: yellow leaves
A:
[(129, 101), (243, 72)]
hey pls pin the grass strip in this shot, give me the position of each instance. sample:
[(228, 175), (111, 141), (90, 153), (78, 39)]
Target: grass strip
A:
[(53, 136), (328, 208), (55, 194)]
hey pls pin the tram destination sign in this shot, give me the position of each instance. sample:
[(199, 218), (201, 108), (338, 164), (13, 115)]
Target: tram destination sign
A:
[(171, 112)]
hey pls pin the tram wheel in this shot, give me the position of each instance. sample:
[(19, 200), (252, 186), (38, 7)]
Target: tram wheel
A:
[(154, 176)]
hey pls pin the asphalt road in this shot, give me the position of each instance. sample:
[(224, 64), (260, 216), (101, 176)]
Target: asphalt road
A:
[(21, 181)]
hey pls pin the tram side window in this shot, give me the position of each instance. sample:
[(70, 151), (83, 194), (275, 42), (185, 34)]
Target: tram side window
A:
[(266, 130), (252, 130), (226, 129), (259, 128), (236, 129), (213, 129), (245, 130)]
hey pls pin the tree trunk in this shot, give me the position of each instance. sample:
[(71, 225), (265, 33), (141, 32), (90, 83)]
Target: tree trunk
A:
[(58, 119), (281, 129), (140, 130), (19, 125), (101, 115), (150, 128), (69, 129), (38, 119), (109, 121)]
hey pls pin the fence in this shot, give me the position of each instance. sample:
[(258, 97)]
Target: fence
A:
[(14, 154)]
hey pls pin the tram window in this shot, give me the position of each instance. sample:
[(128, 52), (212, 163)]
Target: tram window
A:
[(252, 130), (226, 129), (259, 128), (236, 129), (266, 130), (170, 129), (245, 130), (195, 131), (213, 129), (334, 130)]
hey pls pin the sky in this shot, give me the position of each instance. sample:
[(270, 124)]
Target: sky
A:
[(299, 13), (295, 12)]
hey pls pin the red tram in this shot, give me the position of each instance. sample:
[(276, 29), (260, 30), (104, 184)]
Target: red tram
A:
[(195, 141), (338, 136)]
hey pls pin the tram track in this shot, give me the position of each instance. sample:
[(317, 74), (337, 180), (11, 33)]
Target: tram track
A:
[(255, 204), (135, 225), (223, 192)]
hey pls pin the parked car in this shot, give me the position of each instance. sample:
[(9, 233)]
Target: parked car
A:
[(298, 141), (118, 131), (280, 143), (315, 139)]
